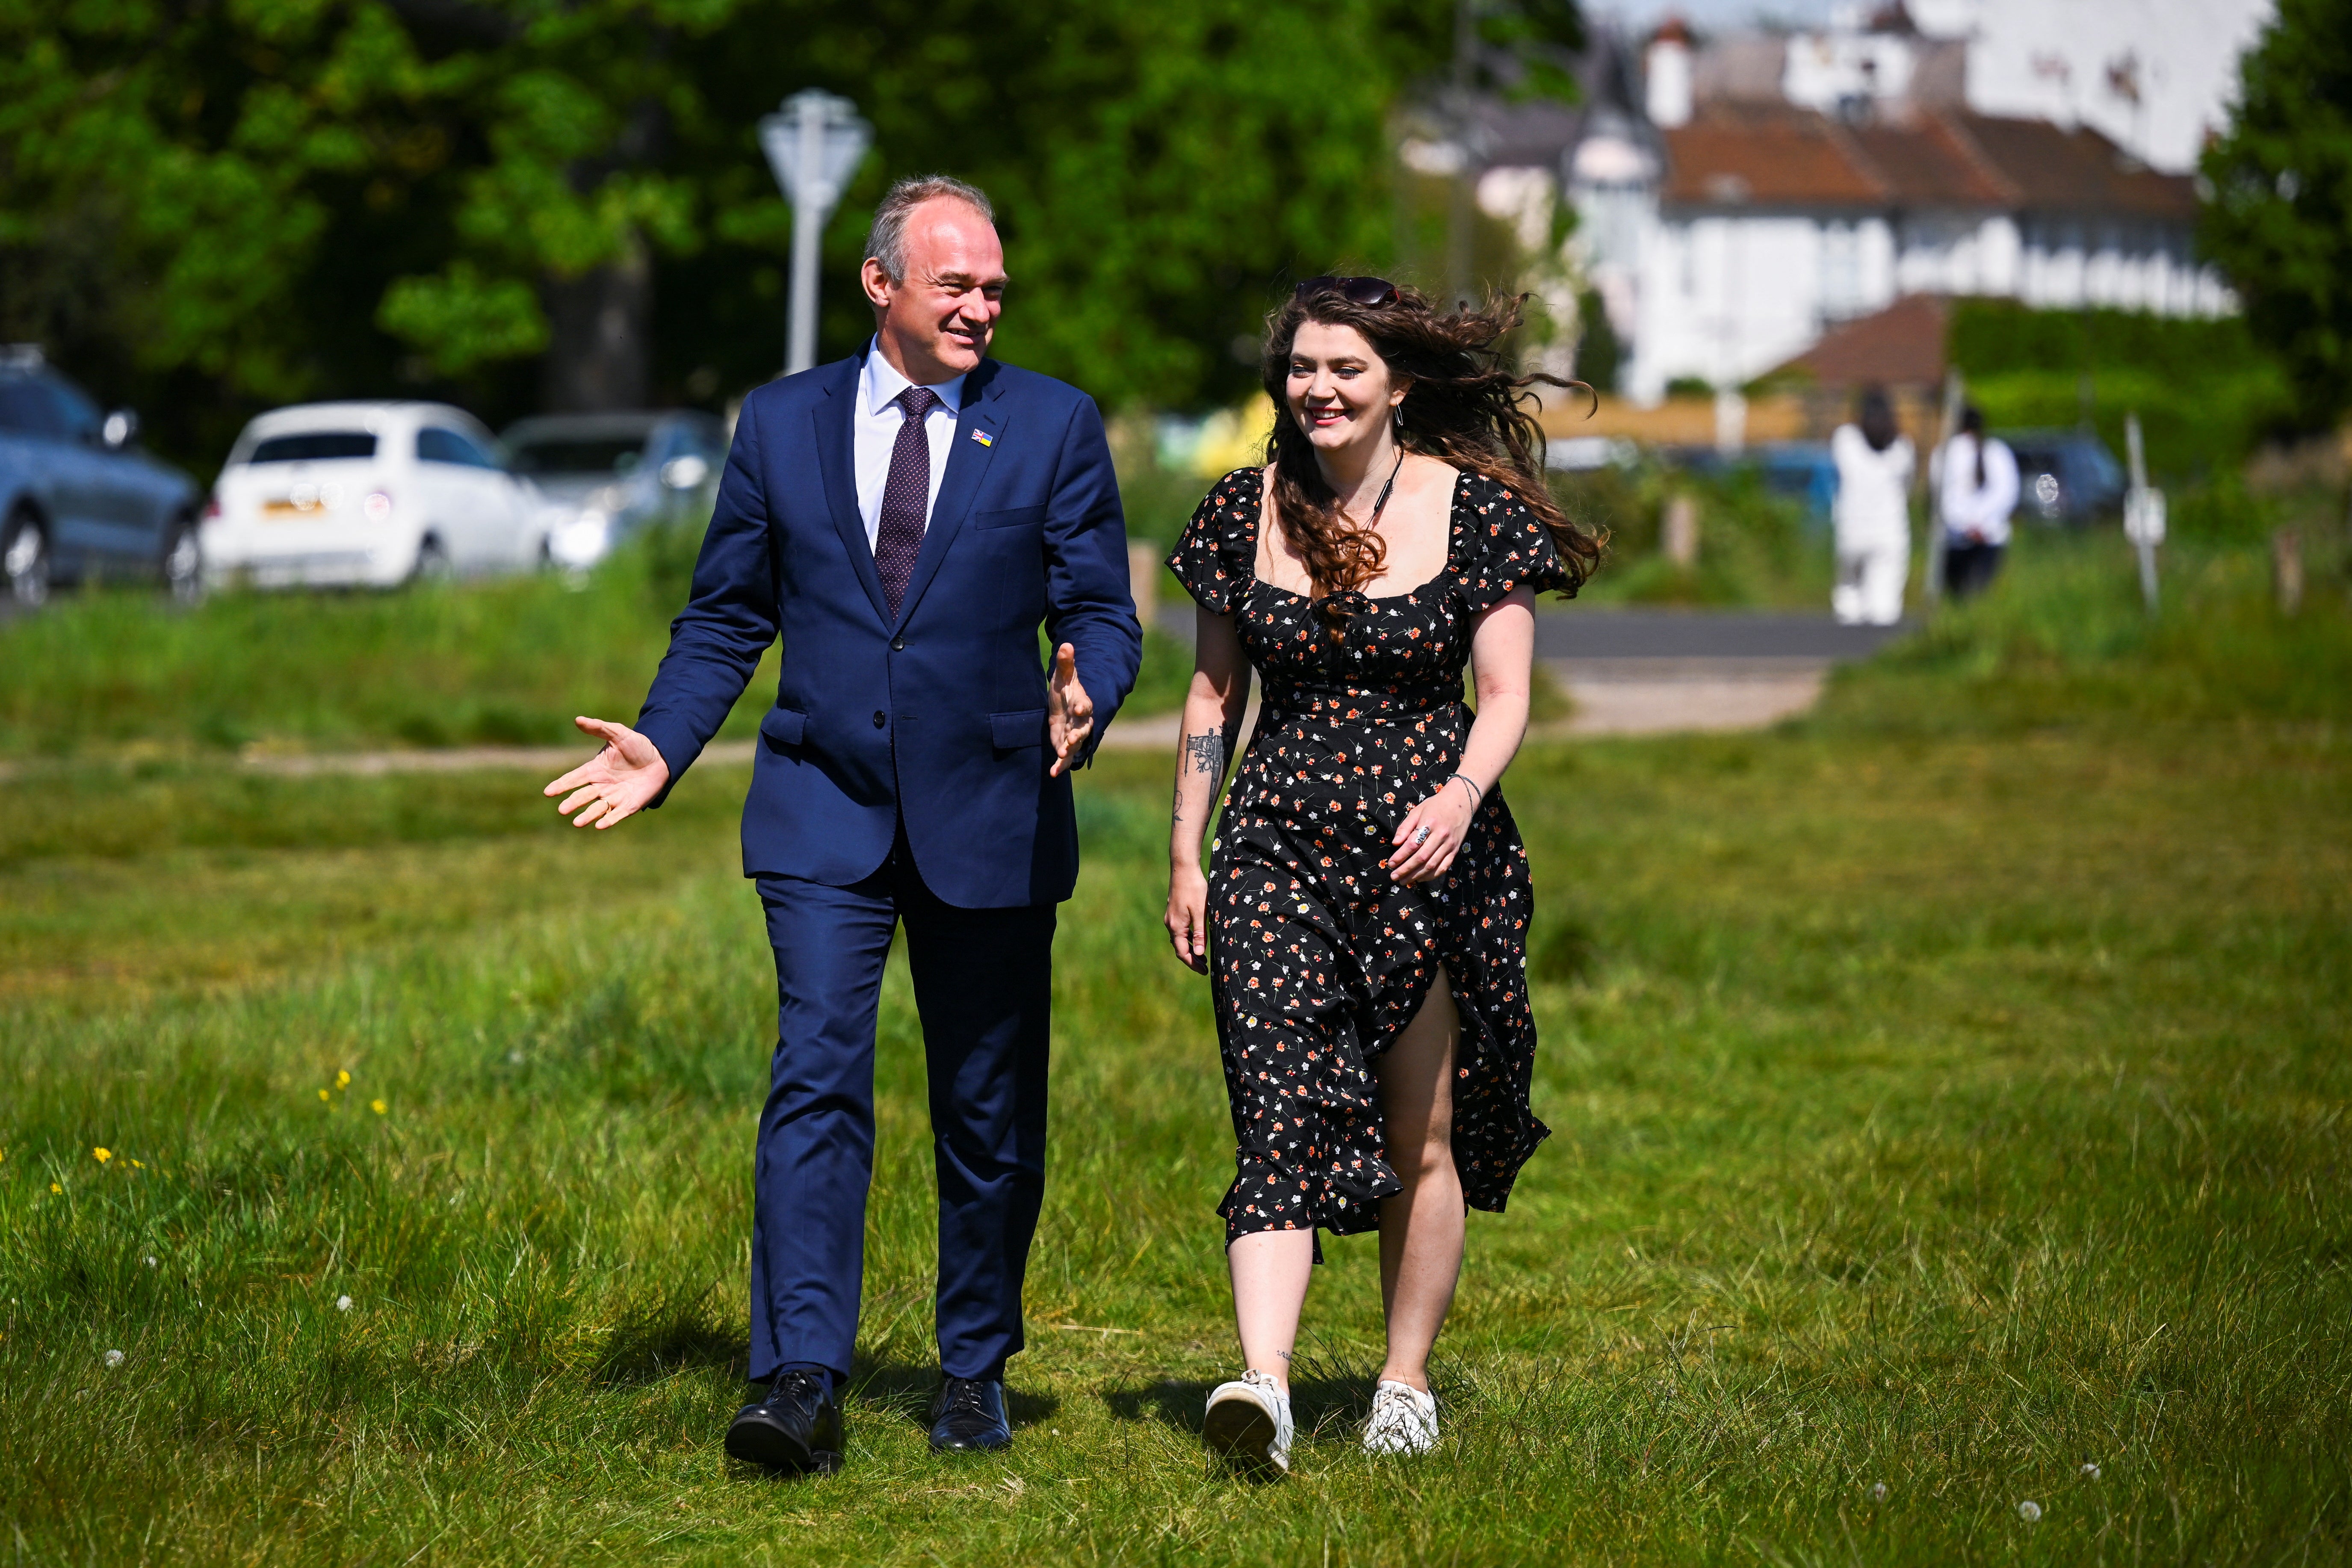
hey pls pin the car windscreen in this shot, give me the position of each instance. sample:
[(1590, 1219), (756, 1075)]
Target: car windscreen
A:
[(578, 454), (313, 446)]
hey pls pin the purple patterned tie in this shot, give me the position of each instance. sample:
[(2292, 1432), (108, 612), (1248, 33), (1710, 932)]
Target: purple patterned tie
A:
[(906, 498)]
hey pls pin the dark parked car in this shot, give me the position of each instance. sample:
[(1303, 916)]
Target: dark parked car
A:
[(606, 476), (2064, 476), (77, 500)]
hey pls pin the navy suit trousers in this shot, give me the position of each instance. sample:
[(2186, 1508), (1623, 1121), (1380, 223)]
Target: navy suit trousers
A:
[(983, 990)]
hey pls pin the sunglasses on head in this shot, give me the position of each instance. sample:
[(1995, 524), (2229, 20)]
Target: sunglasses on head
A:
[(1370, 292)]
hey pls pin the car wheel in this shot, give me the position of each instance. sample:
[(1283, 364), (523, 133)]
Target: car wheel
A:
[(432, 563), (25, 560), (184, 563)]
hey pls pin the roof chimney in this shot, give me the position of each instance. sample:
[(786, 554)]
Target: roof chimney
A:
[(1666, 72)]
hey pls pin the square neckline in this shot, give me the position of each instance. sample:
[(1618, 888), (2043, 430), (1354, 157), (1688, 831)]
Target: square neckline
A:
[(1452, 537)]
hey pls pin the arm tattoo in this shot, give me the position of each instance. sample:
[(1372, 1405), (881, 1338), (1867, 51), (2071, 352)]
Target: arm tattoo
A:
[(1206, 753)]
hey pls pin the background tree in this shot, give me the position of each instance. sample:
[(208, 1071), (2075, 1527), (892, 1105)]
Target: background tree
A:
[(2280, 221), (207, 206)]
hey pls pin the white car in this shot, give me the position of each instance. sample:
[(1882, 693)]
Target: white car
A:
[(368, 494)]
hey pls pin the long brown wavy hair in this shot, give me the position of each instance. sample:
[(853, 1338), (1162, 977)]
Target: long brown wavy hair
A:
[(1466, 407)]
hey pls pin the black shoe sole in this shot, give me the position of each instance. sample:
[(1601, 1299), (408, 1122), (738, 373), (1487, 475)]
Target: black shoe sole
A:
[(1241, 1433), (772, 1448)]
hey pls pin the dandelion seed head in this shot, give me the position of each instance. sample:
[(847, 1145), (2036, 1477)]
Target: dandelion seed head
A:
[(114, 1358), (342, 1303), (2028, 1510), (2090, 1470), (149, 1260), (514, 1059)]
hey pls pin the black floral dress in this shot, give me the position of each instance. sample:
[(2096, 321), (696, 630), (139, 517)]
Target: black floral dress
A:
[(1317, 959)]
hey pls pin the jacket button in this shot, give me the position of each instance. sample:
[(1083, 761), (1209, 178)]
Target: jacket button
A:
[(897, 645), (878, 719)]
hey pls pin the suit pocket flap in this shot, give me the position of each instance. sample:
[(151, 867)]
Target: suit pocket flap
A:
[(1010, 731), (1010, 517), (783, 728)]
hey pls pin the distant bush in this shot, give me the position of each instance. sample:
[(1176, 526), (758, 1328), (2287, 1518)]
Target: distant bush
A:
[(1755, 548), (2205, 391)]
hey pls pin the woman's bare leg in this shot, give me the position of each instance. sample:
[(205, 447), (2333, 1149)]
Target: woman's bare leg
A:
[(1421, 1226), (1270, 1273)]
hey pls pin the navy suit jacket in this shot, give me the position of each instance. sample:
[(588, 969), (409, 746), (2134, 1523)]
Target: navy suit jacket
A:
[(937, 718)]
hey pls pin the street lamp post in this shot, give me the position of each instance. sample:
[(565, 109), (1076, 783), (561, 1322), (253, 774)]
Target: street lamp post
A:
[(815, 144)]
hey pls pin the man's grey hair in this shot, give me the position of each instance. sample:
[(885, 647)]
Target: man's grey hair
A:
[(886, 242)]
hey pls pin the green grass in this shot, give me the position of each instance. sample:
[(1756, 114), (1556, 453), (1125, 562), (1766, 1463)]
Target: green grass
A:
[(1948, 1090)]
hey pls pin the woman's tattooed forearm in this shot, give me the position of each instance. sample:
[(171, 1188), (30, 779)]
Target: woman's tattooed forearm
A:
[(1206, 753)]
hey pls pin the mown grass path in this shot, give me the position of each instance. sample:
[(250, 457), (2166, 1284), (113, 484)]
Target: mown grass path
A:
[(1937, 1105)]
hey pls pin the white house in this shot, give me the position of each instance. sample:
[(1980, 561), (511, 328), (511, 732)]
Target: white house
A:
[(1738, 199)]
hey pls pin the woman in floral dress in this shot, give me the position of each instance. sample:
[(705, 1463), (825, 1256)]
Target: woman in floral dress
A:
[(1364, 915)]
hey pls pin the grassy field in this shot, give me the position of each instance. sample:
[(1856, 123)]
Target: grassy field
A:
[(1948, 1092)]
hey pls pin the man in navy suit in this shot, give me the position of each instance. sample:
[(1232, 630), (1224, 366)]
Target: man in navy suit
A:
[(904, 521)]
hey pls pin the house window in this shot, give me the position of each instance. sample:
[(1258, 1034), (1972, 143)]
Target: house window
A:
[(1841, 270)]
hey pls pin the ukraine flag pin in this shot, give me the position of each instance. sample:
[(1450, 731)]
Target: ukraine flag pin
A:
[(983, 437)]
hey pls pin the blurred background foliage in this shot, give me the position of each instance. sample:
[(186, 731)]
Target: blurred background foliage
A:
[(2279, 218), (2207, 392), (209, 209)]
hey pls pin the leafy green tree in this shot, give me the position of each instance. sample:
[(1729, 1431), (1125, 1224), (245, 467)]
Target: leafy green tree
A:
[(209, 206), (2280, 221)]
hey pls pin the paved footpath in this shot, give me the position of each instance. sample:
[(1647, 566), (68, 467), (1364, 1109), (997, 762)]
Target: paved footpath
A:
[(1647, 673)]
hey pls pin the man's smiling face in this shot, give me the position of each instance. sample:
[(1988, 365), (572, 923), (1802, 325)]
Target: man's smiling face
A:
[(936, 323)]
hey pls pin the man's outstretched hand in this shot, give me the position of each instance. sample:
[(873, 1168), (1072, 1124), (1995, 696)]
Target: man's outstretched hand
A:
[(1070, 711), (616, 784)]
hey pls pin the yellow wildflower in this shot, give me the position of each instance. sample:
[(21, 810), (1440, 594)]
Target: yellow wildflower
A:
[(323, 1094), (55, 1188), (101, 1155), (342, 1079), (377, 1106), (138, 1164)]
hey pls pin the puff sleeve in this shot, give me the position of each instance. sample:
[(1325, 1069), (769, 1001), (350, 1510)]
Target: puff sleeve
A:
[(1507, 548), (1215, 558)]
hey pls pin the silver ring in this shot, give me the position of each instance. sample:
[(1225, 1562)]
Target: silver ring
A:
[(1421, 837)]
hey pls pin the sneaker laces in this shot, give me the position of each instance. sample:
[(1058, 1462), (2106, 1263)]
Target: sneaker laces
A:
[(1265, 1380), (1396, 1414)]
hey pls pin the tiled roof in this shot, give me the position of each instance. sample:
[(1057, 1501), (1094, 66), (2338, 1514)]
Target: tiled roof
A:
[(1927, 164), (1902, 345), (2078, 170), (1777, 155), (1754, 155)]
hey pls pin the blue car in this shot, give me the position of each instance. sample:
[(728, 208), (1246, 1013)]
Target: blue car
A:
[(77, 500)]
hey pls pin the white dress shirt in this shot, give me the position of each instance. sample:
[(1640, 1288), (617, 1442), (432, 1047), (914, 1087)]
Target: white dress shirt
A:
[(1968, 509), (874, 434)]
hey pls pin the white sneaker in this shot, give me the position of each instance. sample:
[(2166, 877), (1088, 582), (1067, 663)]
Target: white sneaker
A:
[(1248, 1424), (1404, 1420)]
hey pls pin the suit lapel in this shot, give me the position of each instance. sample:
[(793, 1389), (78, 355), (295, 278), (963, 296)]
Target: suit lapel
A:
[(979, 425), (837, 465)]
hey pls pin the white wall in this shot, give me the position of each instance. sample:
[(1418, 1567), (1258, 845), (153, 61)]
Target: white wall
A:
[(2051, 59)]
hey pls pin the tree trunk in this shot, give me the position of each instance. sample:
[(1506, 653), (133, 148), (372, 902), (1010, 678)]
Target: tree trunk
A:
[(599, 353)]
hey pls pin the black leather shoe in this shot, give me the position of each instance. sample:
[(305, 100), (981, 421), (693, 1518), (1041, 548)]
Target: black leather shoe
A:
[(797, 1428), (968, 1417)]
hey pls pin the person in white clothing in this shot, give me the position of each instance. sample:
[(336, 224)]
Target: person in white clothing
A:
[(1978, 493), (1875, 463)]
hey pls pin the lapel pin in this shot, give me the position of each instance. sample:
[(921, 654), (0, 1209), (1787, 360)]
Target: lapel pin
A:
[(983, 437)]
